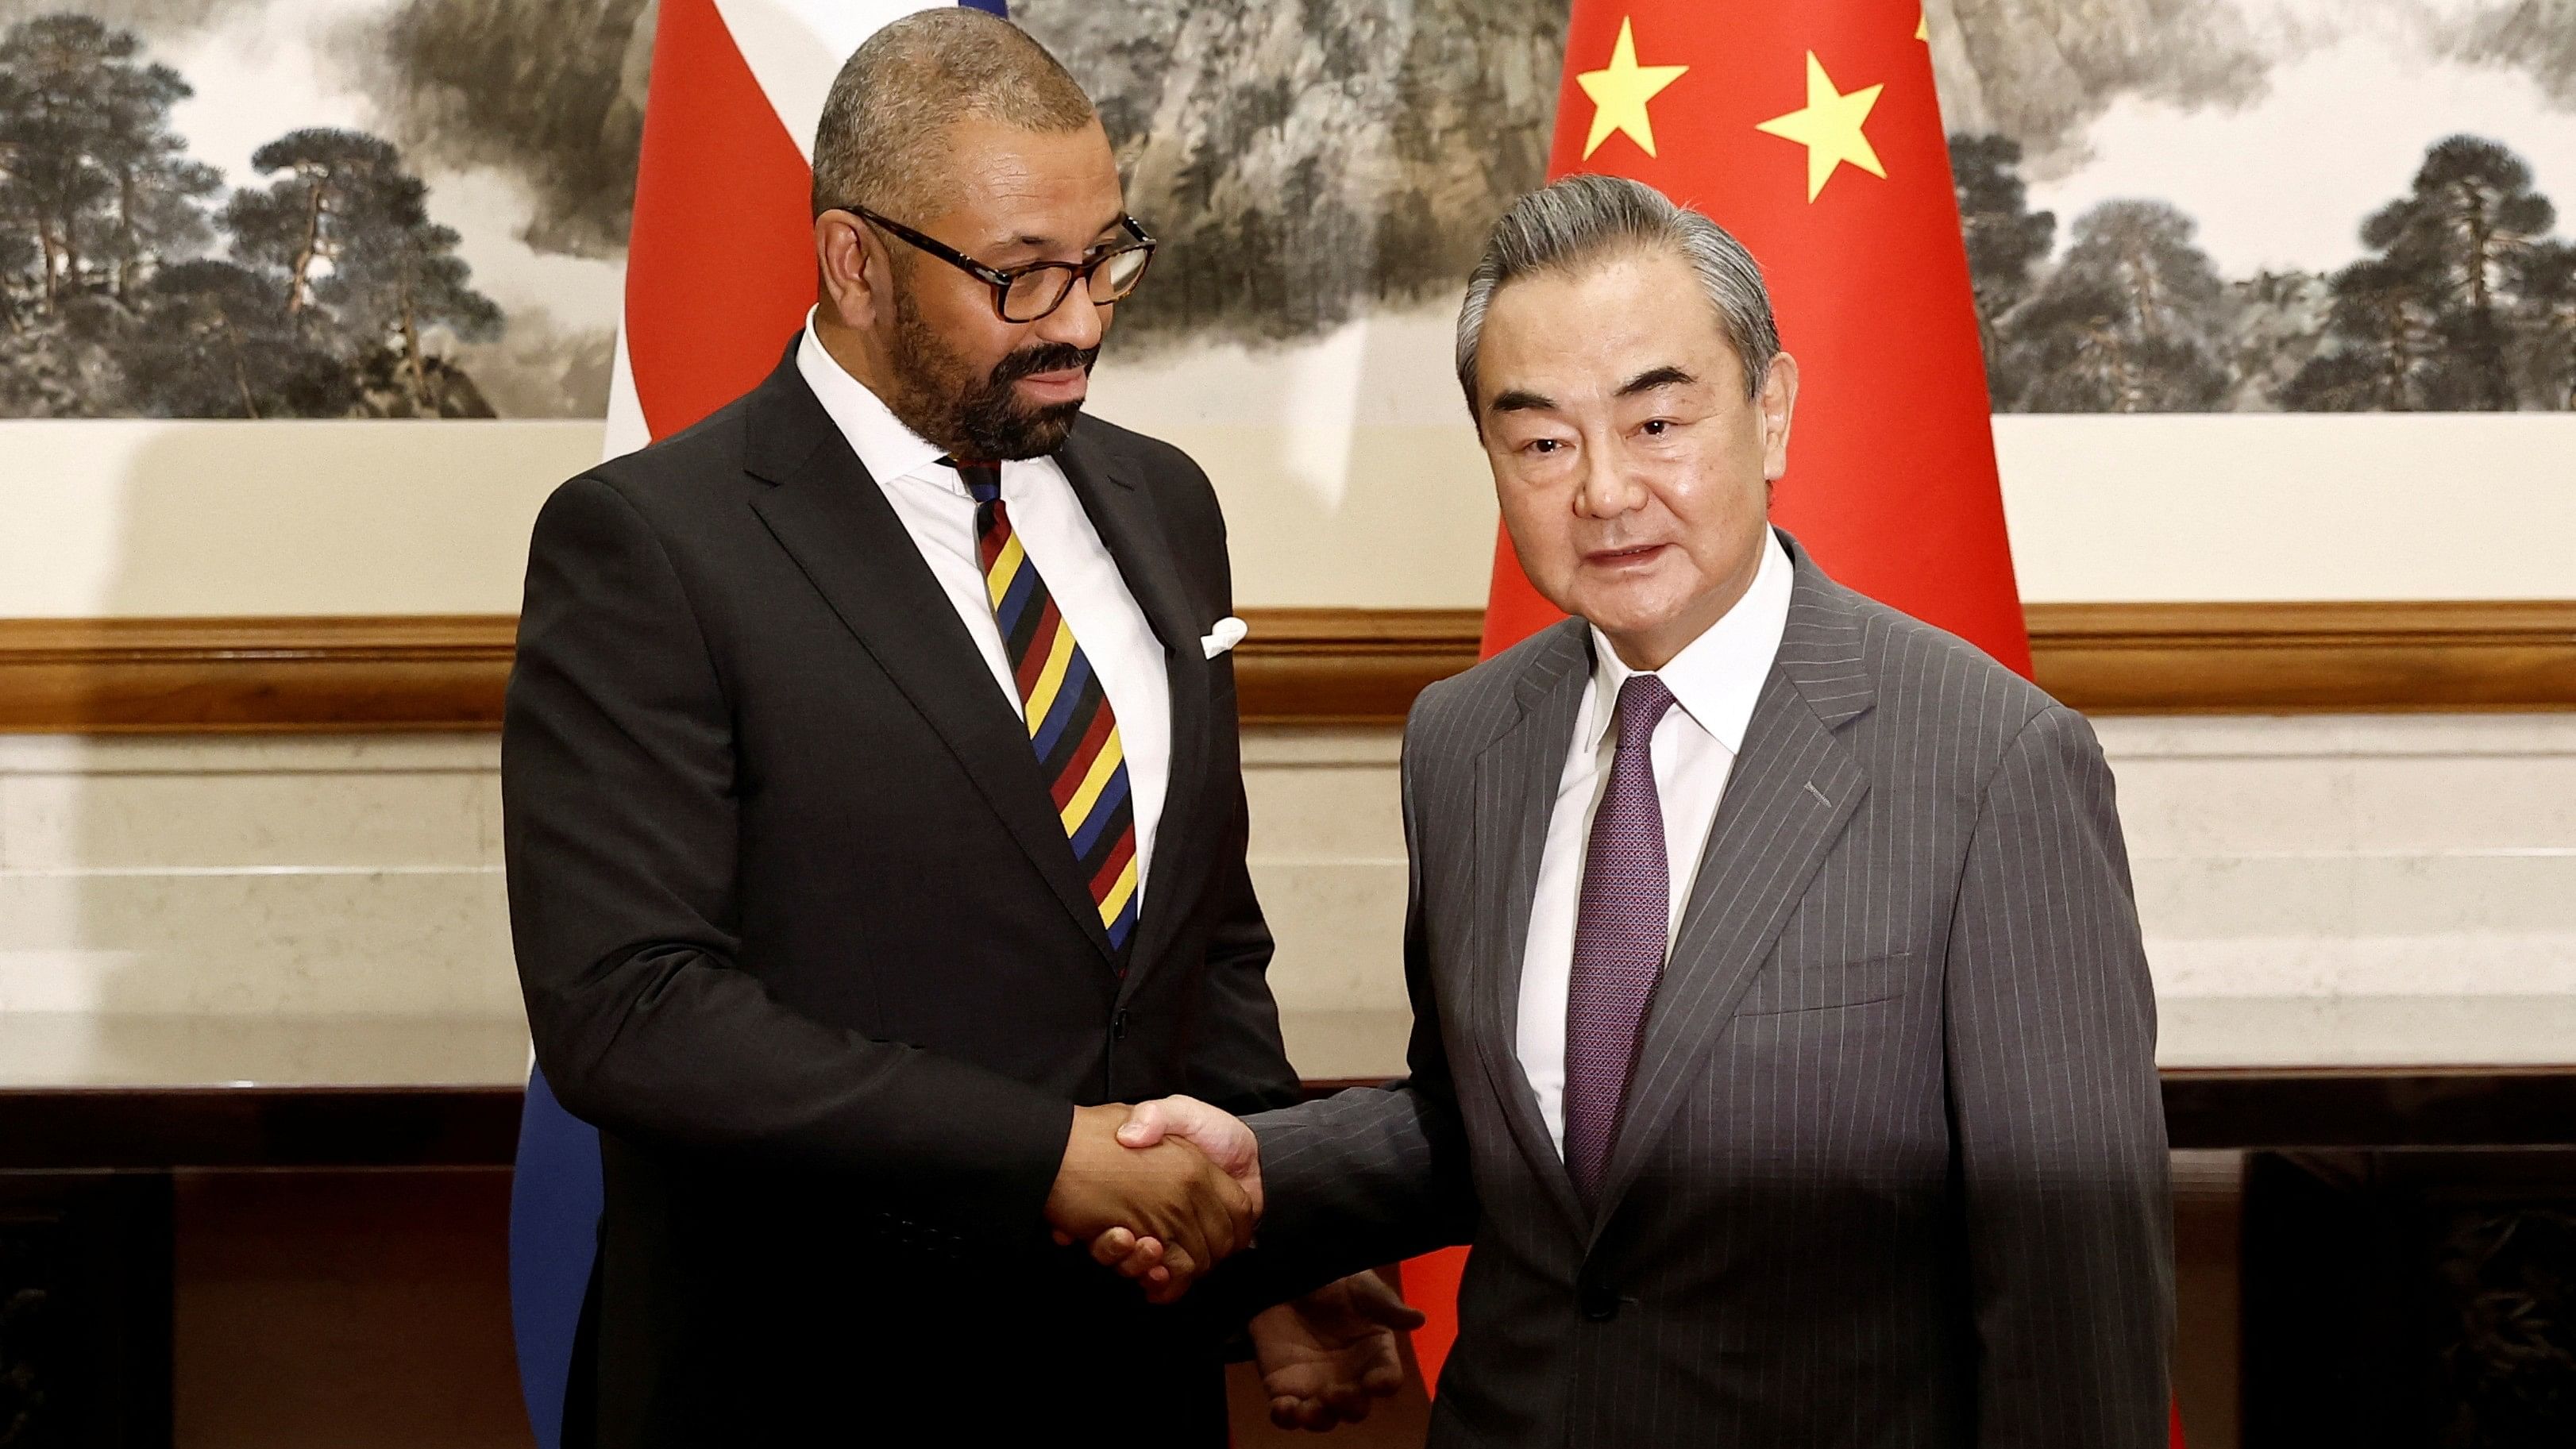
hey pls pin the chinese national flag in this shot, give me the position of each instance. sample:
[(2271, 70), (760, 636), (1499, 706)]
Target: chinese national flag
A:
[(1812, 133)]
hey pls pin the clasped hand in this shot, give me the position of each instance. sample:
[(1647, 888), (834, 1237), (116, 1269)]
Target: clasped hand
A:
[(1161, 1210), (1324, 1357), (1164, 1265)]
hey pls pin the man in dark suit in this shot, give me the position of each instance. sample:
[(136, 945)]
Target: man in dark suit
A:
[(1783, 1039), (875, 814)]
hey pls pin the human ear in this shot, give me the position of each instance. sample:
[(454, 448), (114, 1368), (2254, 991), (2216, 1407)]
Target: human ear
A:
[(854, 268), (1778, 399)]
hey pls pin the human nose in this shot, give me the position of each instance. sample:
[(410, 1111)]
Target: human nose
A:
[(1609, 488), (1077, 321)]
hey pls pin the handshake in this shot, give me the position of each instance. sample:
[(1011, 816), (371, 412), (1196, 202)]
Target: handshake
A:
[(1163, 1191), (1160, 1192)]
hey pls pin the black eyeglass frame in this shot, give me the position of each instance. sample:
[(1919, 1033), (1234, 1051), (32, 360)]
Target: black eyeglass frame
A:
[(1001, 279)]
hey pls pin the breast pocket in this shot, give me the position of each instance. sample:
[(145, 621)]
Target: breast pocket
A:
[(1787, 988)]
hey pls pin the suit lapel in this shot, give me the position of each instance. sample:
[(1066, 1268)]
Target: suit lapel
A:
[(834, 521), (1516, 780), (1792, 790), (1124, 515)]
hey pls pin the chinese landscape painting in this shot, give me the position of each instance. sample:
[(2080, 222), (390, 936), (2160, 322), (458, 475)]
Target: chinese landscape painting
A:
[(418, 208), (314, 208), (2268, 205)]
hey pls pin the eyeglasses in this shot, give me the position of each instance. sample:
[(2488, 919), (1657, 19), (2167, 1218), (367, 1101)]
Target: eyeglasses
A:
[(1026, 294)]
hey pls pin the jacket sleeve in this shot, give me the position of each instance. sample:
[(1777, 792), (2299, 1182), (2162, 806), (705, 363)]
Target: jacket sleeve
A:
[(2057, 1114), (618, 784)]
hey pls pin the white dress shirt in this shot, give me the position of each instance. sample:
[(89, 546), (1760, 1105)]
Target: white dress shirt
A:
[(1715, 680), (1089, 591)]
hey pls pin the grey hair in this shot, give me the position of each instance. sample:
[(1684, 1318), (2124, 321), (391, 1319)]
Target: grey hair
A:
[(885, 123), (1582, 218)]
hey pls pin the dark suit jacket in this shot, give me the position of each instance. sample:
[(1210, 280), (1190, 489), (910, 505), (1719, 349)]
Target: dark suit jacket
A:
[(1892, 1169), (800, 932)]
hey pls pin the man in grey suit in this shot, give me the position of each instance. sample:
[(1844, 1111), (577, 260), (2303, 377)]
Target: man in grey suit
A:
[(1783, 1041)]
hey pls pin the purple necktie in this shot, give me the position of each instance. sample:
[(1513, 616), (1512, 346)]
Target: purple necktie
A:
[(1619, 938)]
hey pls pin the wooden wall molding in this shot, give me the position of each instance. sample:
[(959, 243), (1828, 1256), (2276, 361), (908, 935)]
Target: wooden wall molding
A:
[(1348, 666), (1299, 666), (2306, 658), (277, 674)]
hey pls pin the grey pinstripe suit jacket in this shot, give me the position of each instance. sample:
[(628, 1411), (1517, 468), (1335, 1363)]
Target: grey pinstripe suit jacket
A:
[(1892, 1169)]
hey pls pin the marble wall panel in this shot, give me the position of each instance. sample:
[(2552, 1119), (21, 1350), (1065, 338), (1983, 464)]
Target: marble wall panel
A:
[(1328, 859), (327, 940), (1340, 928), (142, 821), (337, 875), (2353, 855), (360, 874)]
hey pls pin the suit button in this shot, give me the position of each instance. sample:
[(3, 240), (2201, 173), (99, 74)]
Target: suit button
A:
[(1598, 1302)]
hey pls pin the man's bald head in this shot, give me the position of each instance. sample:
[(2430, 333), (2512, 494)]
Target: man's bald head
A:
[(885, 125)]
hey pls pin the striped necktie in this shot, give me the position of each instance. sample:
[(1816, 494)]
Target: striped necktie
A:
[(1067, 711)]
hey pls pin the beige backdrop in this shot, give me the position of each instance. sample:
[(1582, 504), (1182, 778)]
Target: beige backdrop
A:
[(1350, 478)]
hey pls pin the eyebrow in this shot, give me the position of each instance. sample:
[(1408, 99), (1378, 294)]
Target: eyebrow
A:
[(1100, 237), (1655, 377), (1522, 400)]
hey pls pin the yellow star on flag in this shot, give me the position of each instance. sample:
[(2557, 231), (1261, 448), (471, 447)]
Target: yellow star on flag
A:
[(1830, 128), (1619, 94)]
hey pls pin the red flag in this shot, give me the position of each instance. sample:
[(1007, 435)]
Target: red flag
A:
[(1812, 133), (720, 268)]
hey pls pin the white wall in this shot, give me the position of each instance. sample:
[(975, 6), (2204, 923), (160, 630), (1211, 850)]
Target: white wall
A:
[(1350, 478), (2427, 858), (123, 519)]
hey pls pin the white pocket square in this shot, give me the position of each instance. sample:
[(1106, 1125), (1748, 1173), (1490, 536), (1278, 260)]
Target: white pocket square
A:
[(1224, 635)]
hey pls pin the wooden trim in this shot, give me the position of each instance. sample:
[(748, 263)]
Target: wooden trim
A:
[(280, 674), (1332, 666), (2307, 658), (1299, 666), (1348, 666)]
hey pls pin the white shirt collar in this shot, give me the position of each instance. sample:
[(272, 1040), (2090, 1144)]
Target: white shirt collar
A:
[(1717, 677), (887, 448)]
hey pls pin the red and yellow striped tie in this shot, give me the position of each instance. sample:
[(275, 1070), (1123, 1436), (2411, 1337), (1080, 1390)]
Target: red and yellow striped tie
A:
[(1070, 723)]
